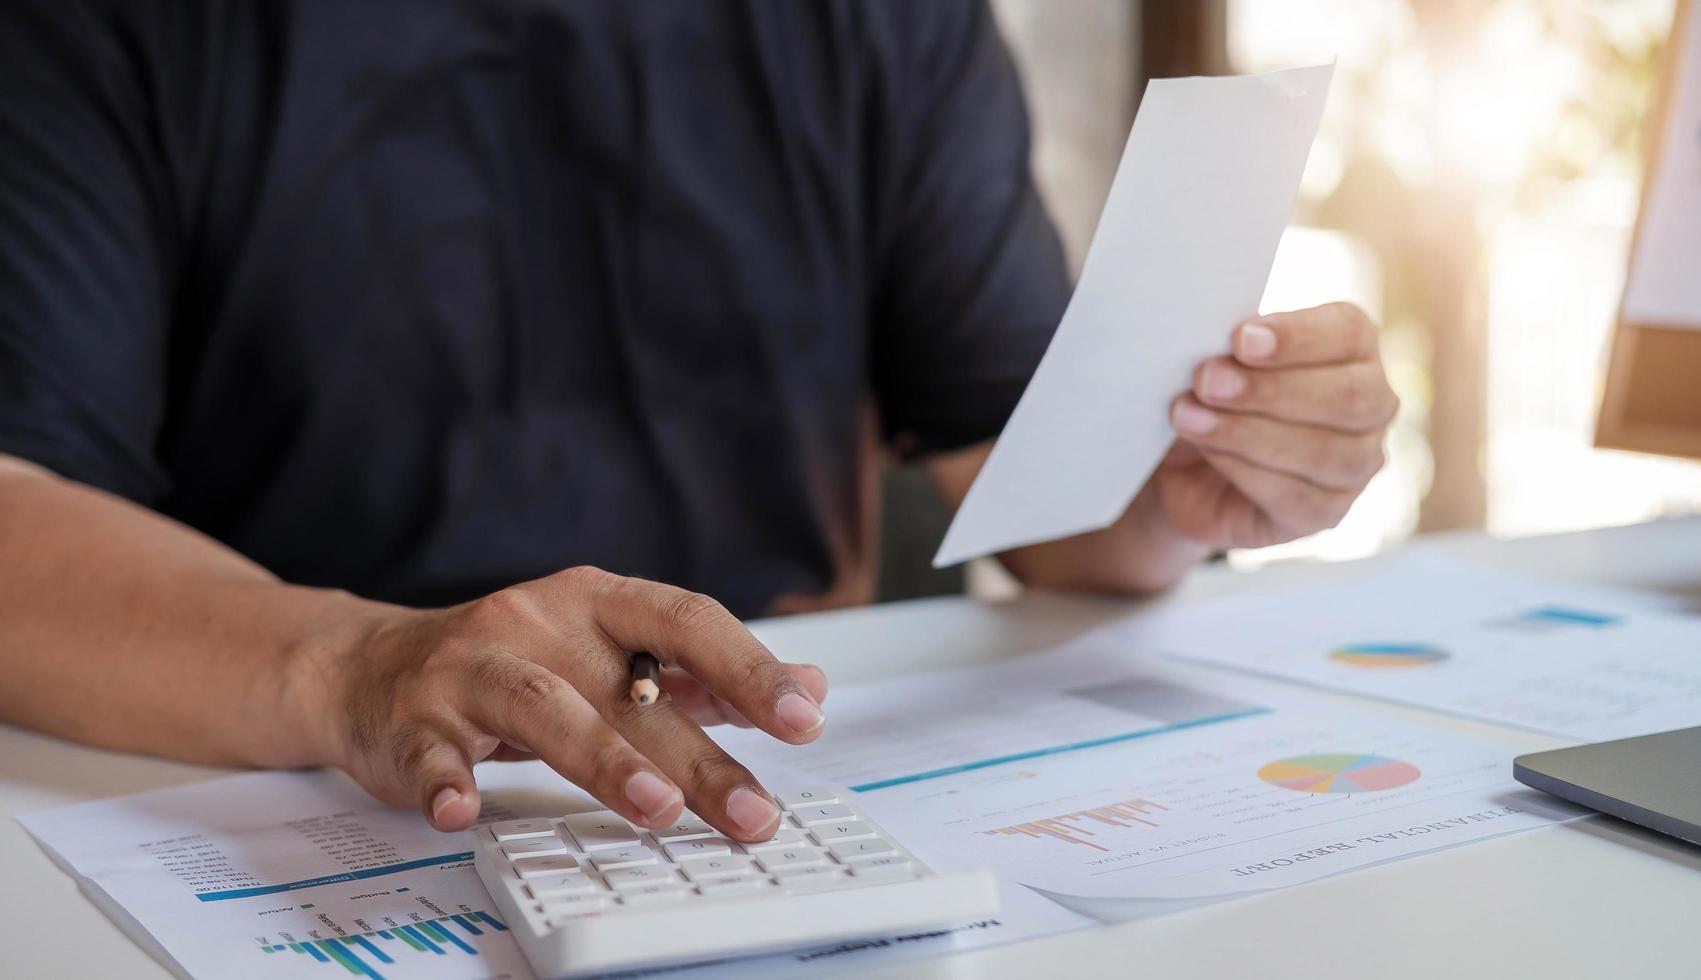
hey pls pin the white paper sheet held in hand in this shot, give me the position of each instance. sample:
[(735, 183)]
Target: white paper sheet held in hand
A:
[(1181, 255)]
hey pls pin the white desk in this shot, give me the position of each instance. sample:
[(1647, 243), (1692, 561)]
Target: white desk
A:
[(1593, 898)]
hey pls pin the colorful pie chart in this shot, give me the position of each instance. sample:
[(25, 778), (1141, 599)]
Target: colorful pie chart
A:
[(1388, 655), (1339, 773)]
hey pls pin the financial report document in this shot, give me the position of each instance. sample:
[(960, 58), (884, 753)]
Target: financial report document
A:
[(1100, 784), (1096, 781), (290, 874), (1579, 661)]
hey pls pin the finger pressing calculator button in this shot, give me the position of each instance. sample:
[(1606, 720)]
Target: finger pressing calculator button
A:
[(536, 867), (687, 827), (791, 857), (851, 851), (785, 837), (622, 857), (807, 798), (842, 830), (534, 846), (831, 813), (686, 850), (508, 830), (601, 828)]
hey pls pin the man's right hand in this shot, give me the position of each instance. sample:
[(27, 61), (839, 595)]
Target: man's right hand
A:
[(543, 669)]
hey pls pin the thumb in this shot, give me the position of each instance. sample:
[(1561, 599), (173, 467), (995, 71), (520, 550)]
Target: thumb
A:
[(438, 775)]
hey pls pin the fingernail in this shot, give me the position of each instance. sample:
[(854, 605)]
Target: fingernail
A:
[(799, 714), (650, 794), (1221, 382), (1257, 341), (446, 797), (1194, 419), (751, 811)]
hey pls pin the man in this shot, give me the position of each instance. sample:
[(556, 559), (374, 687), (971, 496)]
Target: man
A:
[(366, 367)]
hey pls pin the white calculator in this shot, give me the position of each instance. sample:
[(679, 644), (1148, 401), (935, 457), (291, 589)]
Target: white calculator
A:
[(588, 892)]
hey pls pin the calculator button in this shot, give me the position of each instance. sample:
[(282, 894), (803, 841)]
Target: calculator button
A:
[(602, 828), (685, 850), (622, 857), (786, 874), (534, 846), (626, 879), (718, 880), (831, 813), (508, 830), (791, 857), (550, 886), (742, 885), (687, 827), (843, 830), (812, 878), (807, 798), (785, 837), (573, 905), (537, 867), (698, 869), (850, 851), (884, 867), (653, 895)]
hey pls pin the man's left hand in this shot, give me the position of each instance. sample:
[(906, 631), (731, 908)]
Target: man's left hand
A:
[(1277, 440)]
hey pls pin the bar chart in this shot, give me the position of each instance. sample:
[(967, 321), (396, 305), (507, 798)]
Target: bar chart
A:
[(1545, 619), (368, 954), (1079, 826)]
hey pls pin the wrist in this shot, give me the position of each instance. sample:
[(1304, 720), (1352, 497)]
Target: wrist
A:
[(1143, 552), (1164, 536), (315, 673), (1160, 552)]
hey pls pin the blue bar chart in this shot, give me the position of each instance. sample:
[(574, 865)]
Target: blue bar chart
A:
[(370, 954)]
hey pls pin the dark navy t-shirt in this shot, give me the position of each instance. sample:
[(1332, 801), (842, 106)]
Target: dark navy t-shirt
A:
[(420, 298)]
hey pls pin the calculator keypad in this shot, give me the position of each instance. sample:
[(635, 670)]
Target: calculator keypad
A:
[(596, 862), (600, 828), (706, 847), (784, 837)]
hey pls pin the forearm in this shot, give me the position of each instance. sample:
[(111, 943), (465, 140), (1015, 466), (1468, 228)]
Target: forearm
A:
[(122, 628), (1140, 553)]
